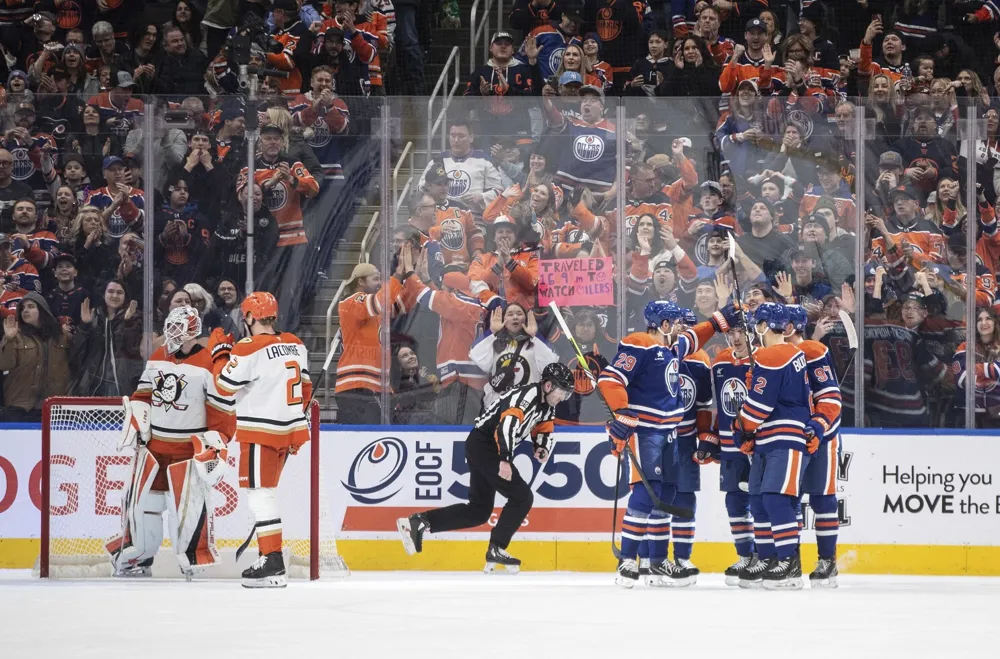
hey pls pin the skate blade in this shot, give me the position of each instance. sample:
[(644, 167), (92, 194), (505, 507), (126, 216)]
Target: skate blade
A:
[(823, 583), (794, 583), (732, 581), (278, 581), (652, 582), (403, 526), (496, 568), (680, 583), (750, 585), (625, 582), (144, 574)]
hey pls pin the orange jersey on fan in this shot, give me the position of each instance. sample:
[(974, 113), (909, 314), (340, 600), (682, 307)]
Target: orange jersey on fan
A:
[(372, 28), (520, 275), (283, 200), (456, 231), (184, 401), (360, 365), (268, 374)]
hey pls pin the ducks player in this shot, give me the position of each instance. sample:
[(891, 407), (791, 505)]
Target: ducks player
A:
[(775, 426), (729, 383), (179, 425), (523, 413), (820, 478), (642, 386), (268, 373)]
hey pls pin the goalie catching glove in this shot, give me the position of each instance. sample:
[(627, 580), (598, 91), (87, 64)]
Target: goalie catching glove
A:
[(708, 449), (210, 455), (621, 428)]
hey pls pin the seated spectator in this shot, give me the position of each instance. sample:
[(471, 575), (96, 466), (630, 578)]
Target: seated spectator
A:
[(34, 355), (228, 295), (764, 245), (120, 204), (291, 33), (413, 390), (544, 44), (650, 70), (38, 246), (804, 286), (473, 180), (66, 297), (180, 69), (511, 353), (141, 62), (79, 81), (29, 145), (830, 259), (694, 72), (187, 19), (592, 50), (88, 243), (119, 111), (987, 359), (11, 190), (105, 347)]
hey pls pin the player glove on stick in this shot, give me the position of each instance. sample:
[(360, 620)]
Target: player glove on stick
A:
[(621, 428), (814, 433), (708, 449)]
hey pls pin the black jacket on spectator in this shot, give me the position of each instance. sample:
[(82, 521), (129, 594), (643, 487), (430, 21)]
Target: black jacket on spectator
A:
[(91, 147), (767, 252), (106, 355), (65, 305), (228, 246), (95, 265), (60, 116), (8, 196), (525, 16), (690, 81), (181, 76)]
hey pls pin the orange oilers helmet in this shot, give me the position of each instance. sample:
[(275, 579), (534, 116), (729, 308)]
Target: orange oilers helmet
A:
[(260, 305)]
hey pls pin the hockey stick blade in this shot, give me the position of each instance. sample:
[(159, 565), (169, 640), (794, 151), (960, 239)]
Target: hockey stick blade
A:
[(657, 502), (852, 341)]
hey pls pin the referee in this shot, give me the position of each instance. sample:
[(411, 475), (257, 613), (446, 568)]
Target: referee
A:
[(520, 414)]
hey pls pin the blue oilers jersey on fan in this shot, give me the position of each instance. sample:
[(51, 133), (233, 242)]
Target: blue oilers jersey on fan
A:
[(644, 376), (779, 401), (590, 161), (729, 382), (696, 392)]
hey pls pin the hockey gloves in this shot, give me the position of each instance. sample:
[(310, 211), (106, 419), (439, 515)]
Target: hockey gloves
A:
[(220, 345), (621, 428), (727, 317), (745, 439), (814, 435), (708, 449)]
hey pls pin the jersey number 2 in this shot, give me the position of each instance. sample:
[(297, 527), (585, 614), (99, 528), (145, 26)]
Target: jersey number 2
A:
[(294, 380)]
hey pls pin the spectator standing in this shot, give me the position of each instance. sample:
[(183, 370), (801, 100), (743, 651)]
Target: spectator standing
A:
[(141, 61), (351, 78), (502, 77), (551, 40), (292, 34), (623, 28), (764, 245), (592, 51), (526, 15), (34, 354), (694, 72), (90, 246), (106, 49), (509, 271), (105, 346), (410, 54), (11, 190), (180, 70), (473, 179), (120, 204), (66, 298), (327, 116)]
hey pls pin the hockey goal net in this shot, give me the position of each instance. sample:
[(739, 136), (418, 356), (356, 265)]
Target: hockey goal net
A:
[(83, 477)]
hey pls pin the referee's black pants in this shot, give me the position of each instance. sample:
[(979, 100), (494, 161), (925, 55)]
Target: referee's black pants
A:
[(484, 482)]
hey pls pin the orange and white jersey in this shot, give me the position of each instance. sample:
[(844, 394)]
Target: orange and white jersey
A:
[(269, 376), (182, 396)]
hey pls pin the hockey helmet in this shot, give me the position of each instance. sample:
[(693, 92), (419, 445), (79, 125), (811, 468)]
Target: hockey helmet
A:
[(775, 315), (658, 311), (182, 325), (261, 305), (688, 317), (797, 316), (559, 375)]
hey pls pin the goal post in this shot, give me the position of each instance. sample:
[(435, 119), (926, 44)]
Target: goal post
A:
[(83, 479)]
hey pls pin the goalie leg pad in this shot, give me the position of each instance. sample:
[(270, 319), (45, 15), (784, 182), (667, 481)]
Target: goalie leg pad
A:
[(192, 516), (263, 504), (136, 427), (142, 521)]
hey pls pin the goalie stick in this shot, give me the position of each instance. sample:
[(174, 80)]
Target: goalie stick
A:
[(852, 341), (679, 511)]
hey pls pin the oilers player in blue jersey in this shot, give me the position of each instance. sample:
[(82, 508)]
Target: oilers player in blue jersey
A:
[(642, 385), (820, 478), (729, 383), (775, 425)]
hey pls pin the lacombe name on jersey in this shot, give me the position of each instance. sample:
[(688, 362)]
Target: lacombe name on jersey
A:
[(283, 350)]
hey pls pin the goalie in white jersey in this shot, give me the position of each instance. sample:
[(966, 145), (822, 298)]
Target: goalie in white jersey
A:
[(268, 372), (178, 424)]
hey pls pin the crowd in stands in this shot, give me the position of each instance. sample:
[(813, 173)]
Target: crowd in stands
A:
[(812, 132)]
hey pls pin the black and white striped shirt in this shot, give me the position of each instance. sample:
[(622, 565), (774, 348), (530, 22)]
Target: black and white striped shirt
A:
[(519, 415)]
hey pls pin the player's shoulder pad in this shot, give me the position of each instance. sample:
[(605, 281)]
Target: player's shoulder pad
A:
[(724, 356), (699, 357), (639, 340), (813, 349), (288, 337), (777, 356), (247, 346)]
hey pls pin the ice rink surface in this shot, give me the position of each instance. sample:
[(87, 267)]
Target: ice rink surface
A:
[(411, 615)]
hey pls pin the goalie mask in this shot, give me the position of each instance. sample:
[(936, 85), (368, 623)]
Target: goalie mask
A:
[(182, 325)]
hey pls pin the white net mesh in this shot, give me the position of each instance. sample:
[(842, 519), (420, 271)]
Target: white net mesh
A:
[(87, 481)]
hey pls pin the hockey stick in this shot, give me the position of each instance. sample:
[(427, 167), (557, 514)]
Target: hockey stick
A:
[(739, 299), (326, 365), (657, 502), (852, 341)]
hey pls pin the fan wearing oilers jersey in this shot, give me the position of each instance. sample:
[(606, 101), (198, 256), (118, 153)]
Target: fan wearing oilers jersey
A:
[(642, 386), (730, 370), (591, 160), (775, 425), (820, 478)]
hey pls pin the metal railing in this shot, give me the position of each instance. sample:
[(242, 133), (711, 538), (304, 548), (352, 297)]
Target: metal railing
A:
[(399, 196), (452, 64), (330, 340), (477, 30), (371, 235)]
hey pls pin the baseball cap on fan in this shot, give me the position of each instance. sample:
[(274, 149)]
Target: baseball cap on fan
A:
[(502, 36), (756, 24), (124, 79)]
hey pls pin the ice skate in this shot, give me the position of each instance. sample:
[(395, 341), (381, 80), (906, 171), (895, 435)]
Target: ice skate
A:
[(783, 574), (825, 574), (644, 573), (752, 575), (142, 570), (689, 569), (411, 531), (498, 557), (733, 571), (628, 572), (672, 575), (268, 571)]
